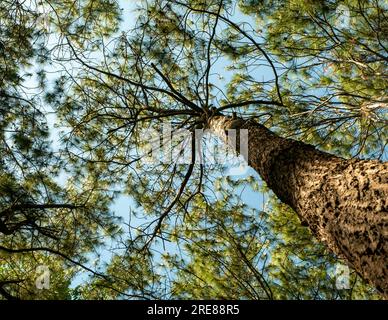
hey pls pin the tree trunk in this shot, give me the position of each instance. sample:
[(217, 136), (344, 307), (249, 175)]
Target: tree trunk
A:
[(343, 202)]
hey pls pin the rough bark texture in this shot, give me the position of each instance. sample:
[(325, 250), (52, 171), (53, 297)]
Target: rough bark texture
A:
[(343, 202)]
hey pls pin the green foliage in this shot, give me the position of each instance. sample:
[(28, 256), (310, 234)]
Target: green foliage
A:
[(43, 221), (289, 64)]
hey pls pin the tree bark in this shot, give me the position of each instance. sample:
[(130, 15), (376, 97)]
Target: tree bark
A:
[(343, 202)]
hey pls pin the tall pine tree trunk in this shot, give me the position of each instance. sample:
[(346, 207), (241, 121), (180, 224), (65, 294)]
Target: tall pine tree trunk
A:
[(343, 202)]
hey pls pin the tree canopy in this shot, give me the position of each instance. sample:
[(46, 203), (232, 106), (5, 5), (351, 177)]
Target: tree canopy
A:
[(79, 89)]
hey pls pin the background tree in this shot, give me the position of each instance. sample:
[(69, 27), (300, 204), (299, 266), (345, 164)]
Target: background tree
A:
[(42, 221)]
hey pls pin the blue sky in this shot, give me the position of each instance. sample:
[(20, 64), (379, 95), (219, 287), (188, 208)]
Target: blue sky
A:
[(124, 204)]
